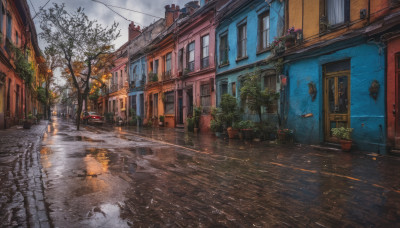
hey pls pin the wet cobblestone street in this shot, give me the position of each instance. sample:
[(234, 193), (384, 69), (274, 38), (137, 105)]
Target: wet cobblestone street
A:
[(107, 176), (21, 190)]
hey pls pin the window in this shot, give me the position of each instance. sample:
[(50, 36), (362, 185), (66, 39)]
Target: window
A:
[(205, 40), (114, 106), (180, 60), (2, 13), (224, 88), (270, 84), (263, 31), (121, 104), (109, 106), (168, 58), (190, 57), (234, 89), (115, 81), (156, 67), (242, 41), (133, 103), (169, 103), (205, 96), (9, 28), (121, 82), (335, 12), (223, 49), (16, 37)]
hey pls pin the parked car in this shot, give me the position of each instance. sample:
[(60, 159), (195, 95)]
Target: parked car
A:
[(92, 117)]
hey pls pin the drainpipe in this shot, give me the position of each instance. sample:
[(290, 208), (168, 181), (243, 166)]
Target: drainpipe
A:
[(369, 11)]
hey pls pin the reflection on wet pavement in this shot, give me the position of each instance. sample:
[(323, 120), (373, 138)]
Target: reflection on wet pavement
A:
[(155, 178)]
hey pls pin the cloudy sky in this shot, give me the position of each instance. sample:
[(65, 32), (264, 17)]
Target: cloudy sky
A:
[(105, 16)]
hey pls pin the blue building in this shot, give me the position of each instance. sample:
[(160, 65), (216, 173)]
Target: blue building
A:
[(138, 69), (336, 77), (243, 36)]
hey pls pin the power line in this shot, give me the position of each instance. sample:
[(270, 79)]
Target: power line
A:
[(119, 7), (33, 7), (40, 9)]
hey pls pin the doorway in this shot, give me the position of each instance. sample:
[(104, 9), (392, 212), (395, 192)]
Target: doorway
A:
[(190, 102), (180, 107), (336, 97), (155, 106)]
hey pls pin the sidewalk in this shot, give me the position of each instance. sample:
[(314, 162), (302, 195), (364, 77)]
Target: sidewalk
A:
[(21, 188)]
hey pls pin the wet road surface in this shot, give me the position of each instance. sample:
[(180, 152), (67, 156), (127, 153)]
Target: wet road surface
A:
[(121, 177)]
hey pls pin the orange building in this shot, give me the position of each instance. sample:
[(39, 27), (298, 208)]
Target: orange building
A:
[(160, 88), (17, 28)]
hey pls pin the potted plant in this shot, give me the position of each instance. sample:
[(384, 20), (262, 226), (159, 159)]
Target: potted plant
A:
[(247, 129), (196, 118), (190, 124), (28, 121), (233, 132), (344, 135), (161, 123), (230, 114), (285, 135), (217, 127)]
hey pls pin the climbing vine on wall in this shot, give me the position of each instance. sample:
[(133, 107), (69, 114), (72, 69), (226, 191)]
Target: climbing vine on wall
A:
[(22, 66)]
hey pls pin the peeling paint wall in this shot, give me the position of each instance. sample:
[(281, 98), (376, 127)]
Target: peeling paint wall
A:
[(367, 116)]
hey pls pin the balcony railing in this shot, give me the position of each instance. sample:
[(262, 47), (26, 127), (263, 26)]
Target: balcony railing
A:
[(167, 75)]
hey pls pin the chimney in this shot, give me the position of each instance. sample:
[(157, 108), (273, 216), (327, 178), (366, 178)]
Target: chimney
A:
[(191, 7), (171, 14), (134, 31)]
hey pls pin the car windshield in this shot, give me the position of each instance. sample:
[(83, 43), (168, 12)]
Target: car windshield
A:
[(93, 114)]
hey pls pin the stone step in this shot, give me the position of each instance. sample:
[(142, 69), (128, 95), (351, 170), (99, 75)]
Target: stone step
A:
[(180, 126), (326, 148), (331, 144), (395, 152)]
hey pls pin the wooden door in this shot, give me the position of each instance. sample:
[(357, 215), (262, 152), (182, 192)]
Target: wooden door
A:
[(336, 99)]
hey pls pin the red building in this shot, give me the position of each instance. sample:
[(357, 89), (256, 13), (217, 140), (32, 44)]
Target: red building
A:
[(393, 91)]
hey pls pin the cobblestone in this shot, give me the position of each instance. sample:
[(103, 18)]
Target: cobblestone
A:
[(20, 175)]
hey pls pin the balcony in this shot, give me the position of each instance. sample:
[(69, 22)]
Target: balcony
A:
[(167, 75), (152, 77)]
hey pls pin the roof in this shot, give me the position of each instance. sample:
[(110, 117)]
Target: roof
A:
[(23, 9)]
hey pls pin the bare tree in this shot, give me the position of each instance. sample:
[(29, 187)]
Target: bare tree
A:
[(79, 42)]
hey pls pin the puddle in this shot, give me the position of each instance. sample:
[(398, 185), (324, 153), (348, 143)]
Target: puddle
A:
[(107, 215), (131, 168), (81, 138), (143, 151)]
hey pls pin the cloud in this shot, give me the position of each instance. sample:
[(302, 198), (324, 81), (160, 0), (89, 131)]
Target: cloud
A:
[(106, 17)]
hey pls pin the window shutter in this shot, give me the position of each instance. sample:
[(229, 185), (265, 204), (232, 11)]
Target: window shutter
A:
[(346, 10)]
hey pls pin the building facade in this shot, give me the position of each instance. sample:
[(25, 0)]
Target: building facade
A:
[(196, 64), (244, 34), (138, 68), (336, 70), (18, 32)]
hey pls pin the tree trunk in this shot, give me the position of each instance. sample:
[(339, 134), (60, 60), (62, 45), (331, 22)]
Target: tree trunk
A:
[(78, 112)]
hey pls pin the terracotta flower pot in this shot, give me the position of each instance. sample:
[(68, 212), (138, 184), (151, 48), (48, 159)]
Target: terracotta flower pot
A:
[(232, 133), (346, 144), (27, 124)]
